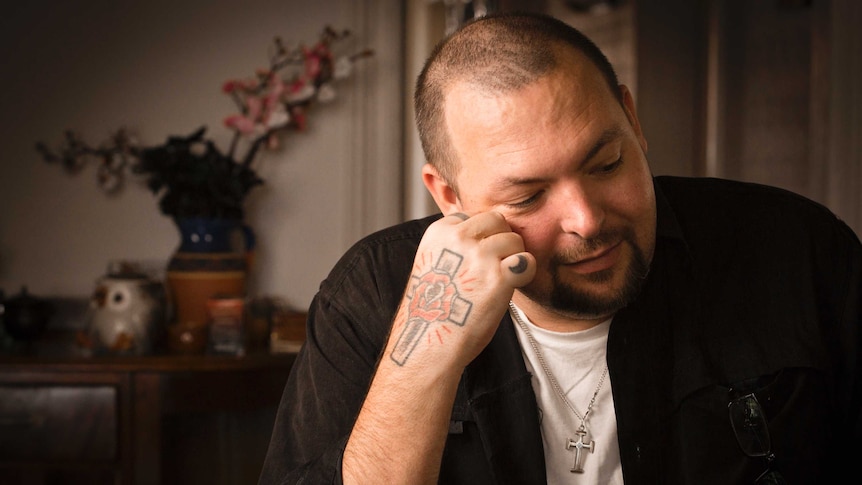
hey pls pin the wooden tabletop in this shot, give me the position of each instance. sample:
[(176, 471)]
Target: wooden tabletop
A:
[(59, 351)]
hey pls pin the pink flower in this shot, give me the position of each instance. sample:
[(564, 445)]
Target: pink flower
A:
[(277, 96), (239, 123), (312, 63), (230, 86), (233, 85), (246, 123), (273, 96), (297, 116)]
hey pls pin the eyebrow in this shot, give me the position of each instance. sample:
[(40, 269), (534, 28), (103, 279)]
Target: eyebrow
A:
[(606, 137)]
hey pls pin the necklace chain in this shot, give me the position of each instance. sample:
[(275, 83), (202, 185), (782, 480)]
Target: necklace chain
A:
[(551, 377)]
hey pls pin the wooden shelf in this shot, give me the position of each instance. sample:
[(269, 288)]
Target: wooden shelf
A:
[(138, 397)]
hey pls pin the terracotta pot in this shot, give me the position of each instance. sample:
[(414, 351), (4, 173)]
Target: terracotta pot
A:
[(212, 261), (195, 278)]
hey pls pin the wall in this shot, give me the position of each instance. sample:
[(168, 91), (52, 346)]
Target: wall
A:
[(156, 67), (841, 174), (765, 92), (671, 59)]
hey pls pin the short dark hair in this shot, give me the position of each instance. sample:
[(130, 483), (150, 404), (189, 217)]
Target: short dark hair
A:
[(499, 52)]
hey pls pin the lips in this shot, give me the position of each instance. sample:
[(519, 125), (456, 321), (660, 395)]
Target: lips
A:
[(599, 261)]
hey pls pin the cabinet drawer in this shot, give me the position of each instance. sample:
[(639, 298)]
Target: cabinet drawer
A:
[(58, 422)]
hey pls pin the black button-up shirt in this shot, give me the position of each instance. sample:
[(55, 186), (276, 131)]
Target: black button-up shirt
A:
[(752, 290)]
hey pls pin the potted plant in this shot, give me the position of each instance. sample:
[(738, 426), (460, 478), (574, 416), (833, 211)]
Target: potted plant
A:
[(193, 178), (202, 188), (189, 174)]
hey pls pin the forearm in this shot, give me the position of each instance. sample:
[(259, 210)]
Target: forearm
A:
[(401, 430), (464, 274)]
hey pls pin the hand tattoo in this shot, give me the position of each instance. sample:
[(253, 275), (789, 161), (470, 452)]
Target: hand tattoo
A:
[(434, 298), (521, 266)]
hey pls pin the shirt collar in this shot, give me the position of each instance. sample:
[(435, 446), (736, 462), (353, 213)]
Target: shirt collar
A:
[(667, 225)]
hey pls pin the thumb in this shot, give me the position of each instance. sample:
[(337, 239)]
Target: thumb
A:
[(518, 269)]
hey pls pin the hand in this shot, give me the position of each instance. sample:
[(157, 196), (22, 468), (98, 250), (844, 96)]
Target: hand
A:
[(464, 274)]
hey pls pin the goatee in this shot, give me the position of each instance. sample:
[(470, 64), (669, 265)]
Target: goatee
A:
[(566, 298)]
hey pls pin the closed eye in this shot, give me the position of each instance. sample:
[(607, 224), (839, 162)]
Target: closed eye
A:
[(609, 168), (527, 202)]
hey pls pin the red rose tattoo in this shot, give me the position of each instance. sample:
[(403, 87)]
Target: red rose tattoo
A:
[(433, 298)]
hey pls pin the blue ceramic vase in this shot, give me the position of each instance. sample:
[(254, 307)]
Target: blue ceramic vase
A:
[(212, 261)]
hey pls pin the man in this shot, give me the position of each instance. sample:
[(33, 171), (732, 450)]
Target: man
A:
[(571, 319)]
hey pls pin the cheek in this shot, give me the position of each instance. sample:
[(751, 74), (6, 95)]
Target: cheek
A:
[(634, 198), (538, 235), (638, 208), (631, 206)]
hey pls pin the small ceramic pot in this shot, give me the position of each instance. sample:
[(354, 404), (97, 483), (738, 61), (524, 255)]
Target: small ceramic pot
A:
[(127, 314)]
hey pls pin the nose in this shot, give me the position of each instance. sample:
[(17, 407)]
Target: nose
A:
[(582, 214)]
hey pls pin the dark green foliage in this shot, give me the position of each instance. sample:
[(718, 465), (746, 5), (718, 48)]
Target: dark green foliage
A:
[(192, 178)]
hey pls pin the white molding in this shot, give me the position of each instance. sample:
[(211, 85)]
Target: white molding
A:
[(427, 27), (372, 183), (714, 116)]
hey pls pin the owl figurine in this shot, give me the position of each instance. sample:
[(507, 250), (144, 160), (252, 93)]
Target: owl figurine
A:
[(127, 313)]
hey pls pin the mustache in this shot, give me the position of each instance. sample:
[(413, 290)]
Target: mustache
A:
[(590, 246)]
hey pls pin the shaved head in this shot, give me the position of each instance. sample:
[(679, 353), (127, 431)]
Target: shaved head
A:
[(497, 53)]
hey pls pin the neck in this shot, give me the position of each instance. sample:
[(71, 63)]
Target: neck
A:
[(555, 321)]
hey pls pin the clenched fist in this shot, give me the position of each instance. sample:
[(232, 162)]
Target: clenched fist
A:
[(464, 274)]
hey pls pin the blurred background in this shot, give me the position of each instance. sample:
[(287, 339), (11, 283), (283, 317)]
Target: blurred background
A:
[(763, 90), (766, 91), (157, 68)]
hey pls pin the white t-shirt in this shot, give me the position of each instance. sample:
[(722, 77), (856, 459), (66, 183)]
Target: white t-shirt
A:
[(577, 360)]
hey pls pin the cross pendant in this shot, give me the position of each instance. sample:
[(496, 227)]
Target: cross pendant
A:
[(579, 446)]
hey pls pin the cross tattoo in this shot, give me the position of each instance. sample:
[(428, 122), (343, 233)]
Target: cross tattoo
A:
[(579, 445), (415, 328)]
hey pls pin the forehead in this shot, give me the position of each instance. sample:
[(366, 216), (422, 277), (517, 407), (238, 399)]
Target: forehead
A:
[(571, 105)]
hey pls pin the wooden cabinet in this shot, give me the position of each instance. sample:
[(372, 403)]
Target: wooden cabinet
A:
[(158, 419), (59, 422)]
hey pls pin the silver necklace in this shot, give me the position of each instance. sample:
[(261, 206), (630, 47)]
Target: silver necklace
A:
[(580, 445)]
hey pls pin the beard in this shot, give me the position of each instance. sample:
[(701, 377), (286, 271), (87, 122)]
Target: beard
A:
[(569, 298)]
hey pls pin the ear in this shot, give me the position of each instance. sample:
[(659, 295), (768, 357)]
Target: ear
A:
[(632, 115), (442, 193)]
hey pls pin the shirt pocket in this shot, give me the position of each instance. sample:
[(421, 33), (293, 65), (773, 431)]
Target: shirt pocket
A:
[(792, 400), (462, 415)]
